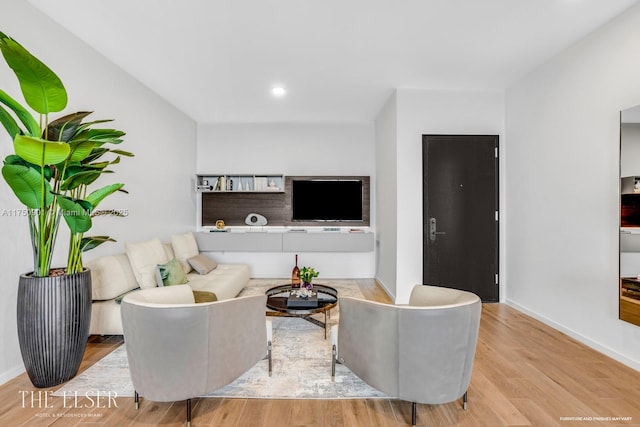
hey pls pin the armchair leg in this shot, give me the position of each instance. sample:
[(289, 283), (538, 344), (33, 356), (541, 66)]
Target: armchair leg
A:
[(270, 359), (136, 399), (464, 400), (333, 363), (188, 412), (413, 414)]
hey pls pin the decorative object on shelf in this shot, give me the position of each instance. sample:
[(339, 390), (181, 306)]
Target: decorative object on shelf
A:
[(295, 275), (54, 164), (307, 274), (260, 183), (239, 182), (255, 219), (220, 224)]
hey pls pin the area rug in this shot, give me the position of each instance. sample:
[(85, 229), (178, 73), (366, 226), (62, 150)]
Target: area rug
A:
[(301, 363)]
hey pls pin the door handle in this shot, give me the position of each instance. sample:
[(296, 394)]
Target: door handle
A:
[(433, 229)]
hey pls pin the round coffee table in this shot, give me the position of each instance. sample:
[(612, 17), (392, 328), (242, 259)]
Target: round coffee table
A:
[(278, 297)]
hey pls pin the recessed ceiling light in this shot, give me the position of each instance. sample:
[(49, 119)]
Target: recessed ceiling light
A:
[(278, 91)]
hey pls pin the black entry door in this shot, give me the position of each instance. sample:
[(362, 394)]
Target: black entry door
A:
[(460, 196)]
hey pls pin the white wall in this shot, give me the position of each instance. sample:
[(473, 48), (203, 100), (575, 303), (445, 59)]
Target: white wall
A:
[(423, 112), (386, 189), (562, 188), (292, 149), (160, 200)]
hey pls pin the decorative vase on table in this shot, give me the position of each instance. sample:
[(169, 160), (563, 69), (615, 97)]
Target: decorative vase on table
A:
[(295, 275), (307, 274)]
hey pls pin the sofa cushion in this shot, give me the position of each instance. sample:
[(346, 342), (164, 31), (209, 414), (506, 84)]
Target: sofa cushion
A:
[(166, 295), (168, 250), (202, 264), (226, 281), (171, 273), (105, 318), (184, 247), (204, 296), (111, 275), (144, 258)]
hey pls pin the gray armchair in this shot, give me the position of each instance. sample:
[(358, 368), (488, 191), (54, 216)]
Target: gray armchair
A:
[(178, 350), (422, 352)]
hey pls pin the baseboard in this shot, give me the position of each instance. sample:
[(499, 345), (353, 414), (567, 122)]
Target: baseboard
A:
[(11, 373), (385, 288), (635, 364)]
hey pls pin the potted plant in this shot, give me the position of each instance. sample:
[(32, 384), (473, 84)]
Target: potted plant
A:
[(307, 275), (54, 164)]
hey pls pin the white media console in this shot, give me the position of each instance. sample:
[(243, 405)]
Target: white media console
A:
[(279, 240)]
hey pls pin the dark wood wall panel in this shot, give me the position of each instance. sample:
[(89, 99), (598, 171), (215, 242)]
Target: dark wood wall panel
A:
[(233, 208)]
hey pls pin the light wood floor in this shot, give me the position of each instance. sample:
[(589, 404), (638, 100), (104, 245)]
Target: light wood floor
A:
[(525, 373)]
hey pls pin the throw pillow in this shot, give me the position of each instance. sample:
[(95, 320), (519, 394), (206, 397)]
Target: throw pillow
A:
[(204, 296), (111, 275), (171, 273), (144, 258), (202, 264), (184, 247)]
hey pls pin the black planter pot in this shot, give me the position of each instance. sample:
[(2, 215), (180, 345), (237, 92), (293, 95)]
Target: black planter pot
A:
[(54, 314)]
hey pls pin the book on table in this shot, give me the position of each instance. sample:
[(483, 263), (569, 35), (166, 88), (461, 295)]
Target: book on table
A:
[(299, 302)]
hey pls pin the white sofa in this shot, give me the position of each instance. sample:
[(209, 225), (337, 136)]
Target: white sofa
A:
[(115, 275)]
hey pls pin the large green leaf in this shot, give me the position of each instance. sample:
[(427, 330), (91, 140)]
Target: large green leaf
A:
[(80, 151), (81, 178), (27, 183), (42, 88), (91, 242), (33, 128), (87, 125), (102, 136), (96, 154), (77, 168), (115, 161), (98, 195), (14, 159), (123, 153), (40, 151), (64, 128), (76, 212), (9, 123), (96, 166)]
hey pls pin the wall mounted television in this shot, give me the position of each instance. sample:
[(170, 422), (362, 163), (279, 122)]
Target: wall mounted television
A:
[(327, 199)]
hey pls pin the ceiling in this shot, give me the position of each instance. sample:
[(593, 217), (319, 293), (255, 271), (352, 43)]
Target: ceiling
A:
[(339, 60)]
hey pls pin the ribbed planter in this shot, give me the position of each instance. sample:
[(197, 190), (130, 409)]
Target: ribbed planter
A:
[(53, 325)]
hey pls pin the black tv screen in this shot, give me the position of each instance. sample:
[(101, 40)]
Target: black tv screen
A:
[(327, 200)]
